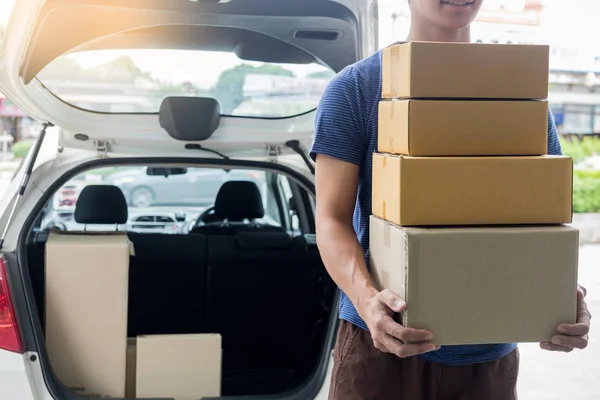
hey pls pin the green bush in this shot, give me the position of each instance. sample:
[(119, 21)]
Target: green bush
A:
[(579, 150), (20, 149), (586, 191)]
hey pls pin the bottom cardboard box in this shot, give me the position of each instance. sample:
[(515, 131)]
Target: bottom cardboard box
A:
[(479, 285)]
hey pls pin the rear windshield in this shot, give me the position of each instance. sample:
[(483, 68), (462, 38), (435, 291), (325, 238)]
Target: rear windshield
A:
[(166, 204), (136, 81)]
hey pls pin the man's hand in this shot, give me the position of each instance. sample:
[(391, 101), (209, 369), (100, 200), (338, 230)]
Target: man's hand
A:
[(389, 336), (572, 336)]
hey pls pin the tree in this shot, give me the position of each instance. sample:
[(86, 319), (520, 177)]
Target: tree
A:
[(229, 89), (124, 67)]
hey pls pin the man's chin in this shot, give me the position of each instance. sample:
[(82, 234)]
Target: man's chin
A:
[(455, 23)]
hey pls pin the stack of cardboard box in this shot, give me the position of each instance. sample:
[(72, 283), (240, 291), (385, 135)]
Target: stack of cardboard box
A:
[(469, 211)]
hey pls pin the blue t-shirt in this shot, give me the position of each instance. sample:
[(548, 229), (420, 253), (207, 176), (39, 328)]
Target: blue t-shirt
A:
[(346, 128)]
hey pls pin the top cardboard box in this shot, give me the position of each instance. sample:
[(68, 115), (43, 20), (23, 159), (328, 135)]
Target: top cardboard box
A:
[(465, 70)]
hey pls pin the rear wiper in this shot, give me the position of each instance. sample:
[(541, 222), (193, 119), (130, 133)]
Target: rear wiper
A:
[(195, 146), (35, 151)]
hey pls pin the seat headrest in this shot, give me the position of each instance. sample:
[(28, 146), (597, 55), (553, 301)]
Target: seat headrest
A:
[(102, 205), (239, 200)]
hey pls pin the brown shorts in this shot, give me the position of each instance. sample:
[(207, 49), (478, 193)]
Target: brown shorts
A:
[(362, 372)]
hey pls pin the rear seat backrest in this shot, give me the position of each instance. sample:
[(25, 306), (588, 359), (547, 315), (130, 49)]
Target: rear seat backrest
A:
[(261, 293), (167, 283)]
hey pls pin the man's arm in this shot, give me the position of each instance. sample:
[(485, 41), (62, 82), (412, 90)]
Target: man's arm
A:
[(337, 183), (339, 150)]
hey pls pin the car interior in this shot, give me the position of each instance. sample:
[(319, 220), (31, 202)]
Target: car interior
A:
[(262, 287)]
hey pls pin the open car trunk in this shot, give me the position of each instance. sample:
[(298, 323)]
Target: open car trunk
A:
[(265, 291), (268, 296)]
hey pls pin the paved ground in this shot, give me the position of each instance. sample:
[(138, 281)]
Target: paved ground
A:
[(575, 376), (548, 376)]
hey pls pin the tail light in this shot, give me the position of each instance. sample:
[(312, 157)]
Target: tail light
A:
[(10, 338)]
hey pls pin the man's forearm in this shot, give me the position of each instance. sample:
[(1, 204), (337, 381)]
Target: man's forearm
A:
[(344, 259)]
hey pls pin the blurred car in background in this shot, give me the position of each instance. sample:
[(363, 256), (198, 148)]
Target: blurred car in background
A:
[(197, 187)]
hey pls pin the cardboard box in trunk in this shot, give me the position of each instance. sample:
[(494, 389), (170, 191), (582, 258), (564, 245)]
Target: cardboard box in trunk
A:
[(465, 70), (87, 277), (479, 285), (184, 367), (463, 128), (131, 368), (426, 191)]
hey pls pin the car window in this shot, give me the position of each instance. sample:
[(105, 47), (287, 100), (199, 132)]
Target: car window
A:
[(162, 204), (142, 78)]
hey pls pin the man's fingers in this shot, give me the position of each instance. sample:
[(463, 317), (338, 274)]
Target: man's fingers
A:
[(583, 313), (407, 335), (392, 300), (409, 350), (582, 327), (579, 329), (554, 347), (573, 342), (393, 345)]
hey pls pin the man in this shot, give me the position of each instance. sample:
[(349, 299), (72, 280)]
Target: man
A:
[(376, 358)]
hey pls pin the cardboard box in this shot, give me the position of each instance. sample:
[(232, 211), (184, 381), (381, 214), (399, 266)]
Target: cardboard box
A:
[(131, 368), (184, 367), (87, 279), (426, 191), (465, 70), (479, 285), (463, 128)]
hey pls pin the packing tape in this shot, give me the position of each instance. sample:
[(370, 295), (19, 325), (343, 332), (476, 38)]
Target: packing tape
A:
[(392, 112), (394, 59), (384, 210)]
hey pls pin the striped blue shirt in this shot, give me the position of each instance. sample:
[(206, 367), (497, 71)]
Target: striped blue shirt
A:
[(346, 128)]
